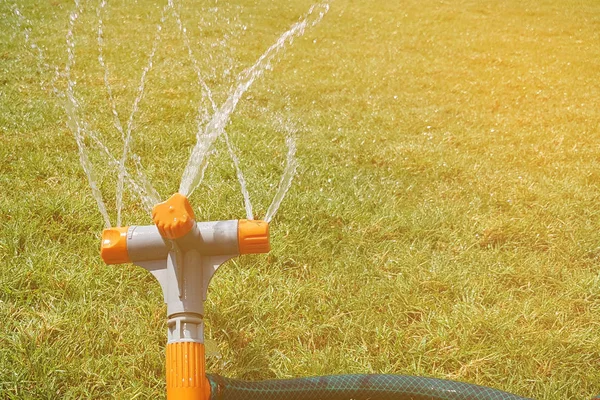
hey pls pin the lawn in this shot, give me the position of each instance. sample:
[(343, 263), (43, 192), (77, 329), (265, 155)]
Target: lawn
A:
[(444, 220)]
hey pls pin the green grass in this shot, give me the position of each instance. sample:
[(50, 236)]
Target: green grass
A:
[(444, 220)]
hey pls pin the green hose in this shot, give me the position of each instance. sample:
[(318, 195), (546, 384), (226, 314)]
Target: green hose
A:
[(353, 387)]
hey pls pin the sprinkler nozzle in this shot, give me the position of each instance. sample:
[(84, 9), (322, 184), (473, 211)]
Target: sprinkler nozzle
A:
[(113, 249), (253, 236), (174, 218)]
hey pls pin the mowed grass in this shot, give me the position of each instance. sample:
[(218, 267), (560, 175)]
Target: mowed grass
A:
[(443, 222)]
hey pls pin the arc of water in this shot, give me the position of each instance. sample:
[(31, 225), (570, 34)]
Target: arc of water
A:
[(240, 176), (72, 110), (134, 109), (208, 94), (191, 177), (286, 178), (186, 40), (111, 99), (143, 189), (149, 189), (78, 125)]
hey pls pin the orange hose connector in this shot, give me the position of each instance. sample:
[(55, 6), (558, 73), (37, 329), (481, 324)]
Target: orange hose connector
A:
[(186, 372)]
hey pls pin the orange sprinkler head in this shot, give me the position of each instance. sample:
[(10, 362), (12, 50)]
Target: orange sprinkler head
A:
[(114, 245), (253, 236), (174, 218)]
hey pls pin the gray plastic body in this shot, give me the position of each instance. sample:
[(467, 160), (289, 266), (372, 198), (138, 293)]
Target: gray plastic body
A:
[(184, 268), (144, 243)]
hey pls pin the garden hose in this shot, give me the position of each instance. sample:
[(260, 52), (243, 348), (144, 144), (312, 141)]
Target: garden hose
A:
[(352, 387)]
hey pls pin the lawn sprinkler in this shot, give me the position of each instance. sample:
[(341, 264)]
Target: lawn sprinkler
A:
[(183, 255)]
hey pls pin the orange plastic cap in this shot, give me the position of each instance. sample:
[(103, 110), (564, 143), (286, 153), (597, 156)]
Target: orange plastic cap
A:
[(114, 245), (174, 218), (253, 236)]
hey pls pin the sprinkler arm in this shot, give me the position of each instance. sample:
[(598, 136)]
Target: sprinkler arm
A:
[(183, 255)]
